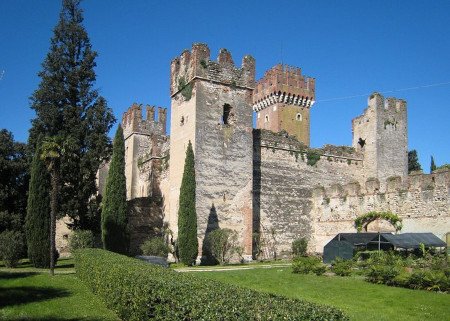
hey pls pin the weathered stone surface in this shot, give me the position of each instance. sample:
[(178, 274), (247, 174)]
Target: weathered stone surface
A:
[(157, 260), (264, 183)]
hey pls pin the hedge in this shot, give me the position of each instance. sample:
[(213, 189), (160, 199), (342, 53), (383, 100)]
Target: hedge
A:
[(136, 290)]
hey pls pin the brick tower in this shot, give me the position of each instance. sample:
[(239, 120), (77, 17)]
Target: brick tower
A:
[(211, 107), (282, 99)]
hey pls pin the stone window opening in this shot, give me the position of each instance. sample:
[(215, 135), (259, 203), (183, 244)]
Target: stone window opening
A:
[(266, 119), (228, 116), (361, 142), (298, 117), (182, 121)]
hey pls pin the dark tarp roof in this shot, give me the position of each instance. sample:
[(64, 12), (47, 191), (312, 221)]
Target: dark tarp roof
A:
[(356, 238), (411, 240)]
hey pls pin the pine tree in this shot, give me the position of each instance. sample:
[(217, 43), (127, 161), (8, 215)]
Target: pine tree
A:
[(413, 161), (114, 213), (432, 165), (187, 216), (67, 106), (37, 222)]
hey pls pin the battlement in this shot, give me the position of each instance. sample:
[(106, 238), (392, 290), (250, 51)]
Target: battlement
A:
[(381, 106), (415, 183), (283, 141), (196, 64), (284, 84), (133, 123)]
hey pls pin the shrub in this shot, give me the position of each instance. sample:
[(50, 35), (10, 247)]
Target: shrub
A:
[(383, 274), (342, 267), (139, 291), (155, 246), (320, 269), (222, 244), (299, 247), (81, 239), (11, 247), (305, 265)]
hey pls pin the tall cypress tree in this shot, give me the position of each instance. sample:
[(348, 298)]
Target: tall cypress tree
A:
[(67, 106), (114, 213), (413, 161), (432, 165), (187, 216), (37, 222)]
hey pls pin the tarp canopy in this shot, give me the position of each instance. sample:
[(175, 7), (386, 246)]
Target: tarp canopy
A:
[(410, 240), (356, 238)]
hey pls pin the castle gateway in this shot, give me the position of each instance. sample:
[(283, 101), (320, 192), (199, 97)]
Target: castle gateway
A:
[(267, 183)]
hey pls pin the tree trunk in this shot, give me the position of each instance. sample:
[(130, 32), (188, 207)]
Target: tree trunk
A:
[(53, 211)]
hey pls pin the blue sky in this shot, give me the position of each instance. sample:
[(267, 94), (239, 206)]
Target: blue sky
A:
[(352, 48)]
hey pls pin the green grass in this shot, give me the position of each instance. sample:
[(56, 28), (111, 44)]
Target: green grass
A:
[(27, 293), (359, 299)]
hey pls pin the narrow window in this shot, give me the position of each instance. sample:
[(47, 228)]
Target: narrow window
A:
[(228, 117), (266, 119), (182, 121), (298, 117), (361, 142)]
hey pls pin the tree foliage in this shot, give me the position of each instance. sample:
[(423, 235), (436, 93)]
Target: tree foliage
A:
[(14, 177), (413, 161), (432, 165), (67, 106), (37, 224), (223, 244), (362, 221), (187, 216), (114, 213)]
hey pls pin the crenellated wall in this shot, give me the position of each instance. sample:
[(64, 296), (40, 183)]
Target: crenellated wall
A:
[(422, 201), (283, 184), (211, 107), (380, 134)]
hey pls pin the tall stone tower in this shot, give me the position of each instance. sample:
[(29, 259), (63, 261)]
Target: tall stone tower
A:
[(381, 134), (143, 138), (211, 107), (282, 99)]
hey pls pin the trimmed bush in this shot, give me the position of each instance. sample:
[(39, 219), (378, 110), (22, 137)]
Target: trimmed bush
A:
[(155, 246), (305, 265), (11, 247), (320, 269), (139, 291), (342, 267), (222, 244), (81, 239), (299, 247)]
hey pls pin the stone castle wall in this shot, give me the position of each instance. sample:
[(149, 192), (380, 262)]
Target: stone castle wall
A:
[(211, 106), (283, 184), (422, 201)]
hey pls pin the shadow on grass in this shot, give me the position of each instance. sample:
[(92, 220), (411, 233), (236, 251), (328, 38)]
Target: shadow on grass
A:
[(27, 294), (15, 275), (51, 318)]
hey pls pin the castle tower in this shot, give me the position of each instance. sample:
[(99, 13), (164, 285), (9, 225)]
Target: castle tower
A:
[(282, 99), (380, 133), (211, 107), (142, 140)]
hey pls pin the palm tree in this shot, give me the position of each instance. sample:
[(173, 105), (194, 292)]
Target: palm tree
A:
[(51, 153)]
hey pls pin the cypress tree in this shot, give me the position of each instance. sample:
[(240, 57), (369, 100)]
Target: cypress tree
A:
[(413, 161), (187, 216), (114, 213), (68, 106), (432, 165), (37, 222)]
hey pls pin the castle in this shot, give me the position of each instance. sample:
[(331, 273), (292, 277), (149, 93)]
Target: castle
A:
[(267, 183)]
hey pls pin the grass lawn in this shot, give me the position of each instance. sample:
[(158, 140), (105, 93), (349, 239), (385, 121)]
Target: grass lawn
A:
[(357, 298), (27, 293)]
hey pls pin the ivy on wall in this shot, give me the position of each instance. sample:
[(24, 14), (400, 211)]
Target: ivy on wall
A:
[(365, 219)]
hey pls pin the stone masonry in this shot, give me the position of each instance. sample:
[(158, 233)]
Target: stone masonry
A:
[(267, 183)]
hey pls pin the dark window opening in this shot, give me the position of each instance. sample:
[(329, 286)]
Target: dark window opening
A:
[(228, 116), (361, 142)]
